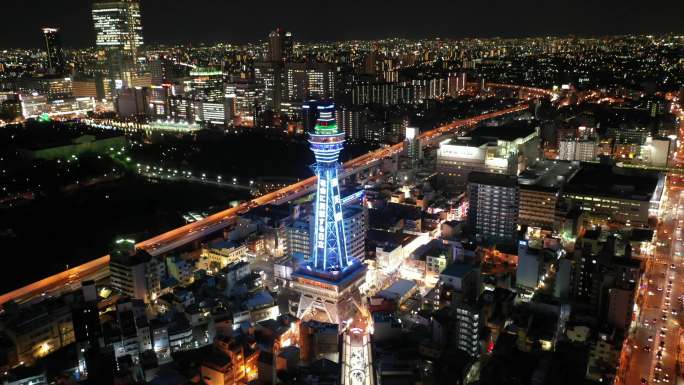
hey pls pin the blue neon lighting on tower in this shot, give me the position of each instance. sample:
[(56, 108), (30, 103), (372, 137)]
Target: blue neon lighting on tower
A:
[(329, 246)]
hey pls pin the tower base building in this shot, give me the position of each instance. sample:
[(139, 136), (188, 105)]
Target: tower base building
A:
[(329, 297)]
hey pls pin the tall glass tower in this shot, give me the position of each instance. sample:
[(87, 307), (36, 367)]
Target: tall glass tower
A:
[(329, 283), (329, 251)]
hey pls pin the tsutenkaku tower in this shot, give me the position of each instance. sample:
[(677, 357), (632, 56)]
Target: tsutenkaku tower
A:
[(329, 283), (329, 250)]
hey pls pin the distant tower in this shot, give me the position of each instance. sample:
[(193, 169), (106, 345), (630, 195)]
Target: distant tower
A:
[(356, 355), (330, 281), (53, 47), (279, 45)]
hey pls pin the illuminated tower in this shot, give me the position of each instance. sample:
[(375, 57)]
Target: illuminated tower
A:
[(330, 282), (329, 251)]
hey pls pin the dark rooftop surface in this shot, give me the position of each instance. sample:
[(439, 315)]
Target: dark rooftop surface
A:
[(608, 180), (547, 175), (488, 178), (507, 132), (458, 270)]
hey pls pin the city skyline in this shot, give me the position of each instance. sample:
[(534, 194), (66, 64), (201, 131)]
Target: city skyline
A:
[(330, 194), (375, 21)]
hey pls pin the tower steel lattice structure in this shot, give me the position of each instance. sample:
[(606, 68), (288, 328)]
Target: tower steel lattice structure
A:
[(329, 250), (329, 282)]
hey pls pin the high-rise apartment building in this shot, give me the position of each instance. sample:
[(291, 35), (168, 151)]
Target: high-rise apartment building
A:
[(493, 206), (468, 327), (578, 149), (414, 151), (53, 48)]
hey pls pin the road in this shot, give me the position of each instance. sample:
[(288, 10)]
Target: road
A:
[(651, 354), (197, 230)]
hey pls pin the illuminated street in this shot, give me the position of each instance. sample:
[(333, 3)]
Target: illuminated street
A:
[(656, 339)]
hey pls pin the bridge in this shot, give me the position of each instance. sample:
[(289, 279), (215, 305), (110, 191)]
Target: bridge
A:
[(173, 239)]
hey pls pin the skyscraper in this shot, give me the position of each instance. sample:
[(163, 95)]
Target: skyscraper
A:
[(118, 30), (329, 283), (53, 48), (117, 24), (279, 45)]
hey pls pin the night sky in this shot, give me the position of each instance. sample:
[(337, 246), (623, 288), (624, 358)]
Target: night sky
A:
[(238, 21)]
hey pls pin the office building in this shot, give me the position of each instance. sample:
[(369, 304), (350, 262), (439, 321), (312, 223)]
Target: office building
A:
[(218, 113), (206, 84), (53, 49), (182, 109), (89, 87), (135, 273), (279, 46), (329, 283), (540, 192), (118, 29), (506, 149), (268, 82), (309, 80), (615, 195), (118, 24), (493, 206), (243, 95), (158, 102)]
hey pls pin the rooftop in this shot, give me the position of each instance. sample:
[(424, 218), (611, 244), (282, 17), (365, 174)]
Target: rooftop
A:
[(458, 270), (548, 175), (492, 179), (612, 181), (508, 132)]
